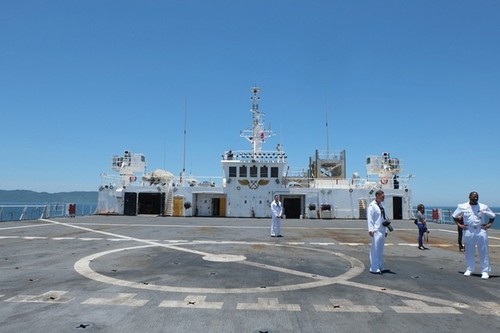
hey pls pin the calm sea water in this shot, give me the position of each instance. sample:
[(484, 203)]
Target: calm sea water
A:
[(448, 210)]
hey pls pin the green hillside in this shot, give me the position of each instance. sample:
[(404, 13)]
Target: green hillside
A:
[(26, 196)]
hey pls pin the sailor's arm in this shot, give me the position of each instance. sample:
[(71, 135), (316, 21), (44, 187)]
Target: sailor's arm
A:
[(459, 220), (489, 213), (489, 224)]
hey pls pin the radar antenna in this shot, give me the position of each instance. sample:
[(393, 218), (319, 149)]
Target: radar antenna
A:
[(257, 135)]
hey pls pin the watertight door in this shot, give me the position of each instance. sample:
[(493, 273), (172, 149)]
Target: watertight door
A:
[(130, 205), (222, 207), (178, 204), (397, 208)]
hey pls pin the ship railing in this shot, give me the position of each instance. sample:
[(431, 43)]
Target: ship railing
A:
[(299, 180), (394, 181), (308, 182), (118, 180), (198, 181), (440, 215), (186, 180), (262, 156), (27, 212), (330, 155)]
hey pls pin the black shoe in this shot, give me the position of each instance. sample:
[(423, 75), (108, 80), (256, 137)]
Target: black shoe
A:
[(421, 248), (279, 236)]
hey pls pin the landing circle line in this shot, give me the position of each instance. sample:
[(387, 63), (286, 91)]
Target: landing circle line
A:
[(82, 266)]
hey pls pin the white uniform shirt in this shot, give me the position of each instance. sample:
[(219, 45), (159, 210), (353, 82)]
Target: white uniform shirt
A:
[(474, 216), (276, 209), (375, 218)]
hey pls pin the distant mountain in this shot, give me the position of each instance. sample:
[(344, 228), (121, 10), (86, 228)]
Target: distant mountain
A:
[(26, 196)]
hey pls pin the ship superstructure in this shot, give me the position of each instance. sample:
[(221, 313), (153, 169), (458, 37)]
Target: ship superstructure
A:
[(250, 179)]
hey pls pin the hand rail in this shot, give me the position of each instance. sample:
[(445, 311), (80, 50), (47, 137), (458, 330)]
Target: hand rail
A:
[(24, 212)]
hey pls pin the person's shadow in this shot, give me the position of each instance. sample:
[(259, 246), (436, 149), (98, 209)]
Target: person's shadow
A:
[(388, 271)]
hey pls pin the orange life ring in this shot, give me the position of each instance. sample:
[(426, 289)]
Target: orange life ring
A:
[(384, 180)]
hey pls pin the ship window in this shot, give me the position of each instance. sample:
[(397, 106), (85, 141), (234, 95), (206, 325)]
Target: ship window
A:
[(263, 172), (232, 171), (253, 171), (243, 171), (274, 172)]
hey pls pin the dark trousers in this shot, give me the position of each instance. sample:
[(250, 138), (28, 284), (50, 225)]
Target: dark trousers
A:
[(460, 234), (421, 231)]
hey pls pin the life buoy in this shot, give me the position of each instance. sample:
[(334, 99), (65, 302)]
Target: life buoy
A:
[(133, 179), (384, 180)]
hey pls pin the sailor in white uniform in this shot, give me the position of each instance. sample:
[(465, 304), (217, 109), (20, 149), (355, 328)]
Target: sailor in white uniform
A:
[(377, 232), (471, 217), (276, 211)]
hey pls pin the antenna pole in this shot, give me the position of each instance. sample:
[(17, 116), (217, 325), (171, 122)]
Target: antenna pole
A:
[(184, 149), (326, 121)]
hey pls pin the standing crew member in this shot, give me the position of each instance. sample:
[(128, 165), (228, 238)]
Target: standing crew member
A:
[(422, 226), (377, 231), (276, 211), (471, 217)]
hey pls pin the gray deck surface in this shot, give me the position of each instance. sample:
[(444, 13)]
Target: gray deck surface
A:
[(163, 274)]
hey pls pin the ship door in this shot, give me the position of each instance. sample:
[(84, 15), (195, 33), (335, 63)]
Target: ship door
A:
[(397, 208), (178, 204), (215, 207), (151, 203), (130, 205), (292, 207), (222, 207)]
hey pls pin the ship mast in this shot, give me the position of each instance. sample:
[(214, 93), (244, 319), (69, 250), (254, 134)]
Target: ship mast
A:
[(257, 135)]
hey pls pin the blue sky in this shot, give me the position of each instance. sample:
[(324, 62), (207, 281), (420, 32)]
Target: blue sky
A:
[(81, 81)]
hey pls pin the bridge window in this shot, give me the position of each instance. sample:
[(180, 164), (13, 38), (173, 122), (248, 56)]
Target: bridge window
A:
[(274, 172), (253, 171), (243, 171), (264, 172), (232, 171)]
